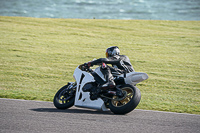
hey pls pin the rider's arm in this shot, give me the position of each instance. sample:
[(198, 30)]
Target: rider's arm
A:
[(105, 60)]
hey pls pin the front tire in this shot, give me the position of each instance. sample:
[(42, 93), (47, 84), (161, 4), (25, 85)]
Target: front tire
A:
[(65, 97), (129, 103)]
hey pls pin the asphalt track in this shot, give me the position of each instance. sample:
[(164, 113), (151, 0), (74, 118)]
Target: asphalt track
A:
[(21, 116)]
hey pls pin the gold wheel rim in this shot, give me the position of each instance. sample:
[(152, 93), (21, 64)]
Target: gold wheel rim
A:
[(126, 100)]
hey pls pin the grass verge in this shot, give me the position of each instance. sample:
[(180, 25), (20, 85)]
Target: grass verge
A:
[(39, 55)]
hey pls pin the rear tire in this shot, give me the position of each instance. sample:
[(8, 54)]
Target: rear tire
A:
[(64, 98), (129, 103)]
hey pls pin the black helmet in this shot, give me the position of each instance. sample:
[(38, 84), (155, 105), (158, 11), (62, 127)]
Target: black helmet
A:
[(112, 51)]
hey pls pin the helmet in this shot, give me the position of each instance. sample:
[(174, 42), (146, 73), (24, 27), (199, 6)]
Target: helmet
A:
[(112, 51)]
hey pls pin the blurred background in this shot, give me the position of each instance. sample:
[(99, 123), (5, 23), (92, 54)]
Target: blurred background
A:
[(103, 9)]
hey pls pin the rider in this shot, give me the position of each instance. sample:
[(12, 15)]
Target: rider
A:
[(120, 64)]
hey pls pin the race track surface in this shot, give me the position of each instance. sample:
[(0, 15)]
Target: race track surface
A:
[(20, 116)]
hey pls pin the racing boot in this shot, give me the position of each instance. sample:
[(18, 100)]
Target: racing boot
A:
[(108, 77)]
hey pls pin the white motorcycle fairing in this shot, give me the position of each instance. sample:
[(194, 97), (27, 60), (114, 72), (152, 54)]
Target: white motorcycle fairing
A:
[(82, 99)]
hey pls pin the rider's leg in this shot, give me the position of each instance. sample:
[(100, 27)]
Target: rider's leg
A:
[(108, 76)]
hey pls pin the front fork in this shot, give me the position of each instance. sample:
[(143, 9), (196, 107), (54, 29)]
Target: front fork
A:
[(72, 85), (71, 89)]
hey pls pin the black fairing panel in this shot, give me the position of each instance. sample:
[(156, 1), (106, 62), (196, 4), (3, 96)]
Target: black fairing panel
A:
[(97, 78), (119, 81)]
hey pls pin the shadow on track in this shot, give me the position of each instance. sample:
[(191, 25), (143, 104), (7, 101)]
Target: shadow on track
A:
[(79, 111)]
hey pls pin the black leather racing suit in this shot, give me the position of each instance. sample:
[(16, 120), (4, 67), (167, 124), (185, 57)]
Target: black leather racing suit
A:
[(120, 64)]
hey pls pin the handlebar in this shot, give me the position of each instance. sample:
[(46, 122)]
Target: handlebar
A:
[(83, 67)]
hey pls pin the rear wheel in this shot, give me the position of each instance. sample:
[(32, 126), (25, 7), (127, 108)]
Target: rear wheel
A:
[(128, 103), (65, 97)]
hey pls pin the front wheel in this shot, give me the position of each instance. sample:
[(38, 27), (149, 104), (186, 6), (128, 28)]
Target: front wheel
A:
[(65, 97), (128, 103)]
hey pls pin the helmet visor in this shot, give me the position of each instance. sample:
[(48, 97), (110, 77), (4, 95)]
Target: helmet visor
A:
[(106, 54)]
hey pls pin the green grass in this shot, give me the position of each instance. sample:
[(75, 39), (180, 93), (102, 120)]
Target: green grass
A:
[(39, 55)]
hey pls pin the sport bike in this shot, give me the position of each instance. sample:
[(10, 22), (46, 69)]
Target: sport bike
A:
[(85, 92)]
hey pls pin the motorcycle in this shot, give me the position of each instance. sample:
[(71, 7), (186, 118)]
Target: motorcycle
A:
[(85, 92)]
